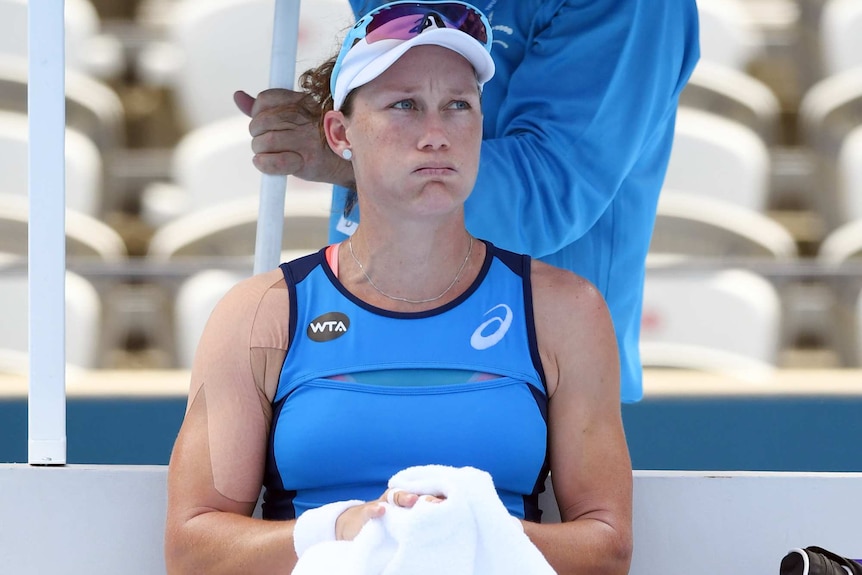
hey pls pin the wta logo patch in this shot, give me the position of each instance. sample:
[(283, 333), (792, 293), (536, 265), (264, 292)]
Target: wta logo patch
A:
[(328, 326)]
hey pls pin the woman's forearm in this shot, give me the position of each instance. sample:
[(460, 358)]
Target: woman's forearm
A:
[(222, 543), (583, 546)]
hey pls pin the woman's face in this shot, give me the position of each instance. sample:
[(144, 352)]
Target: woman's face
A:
[(415, 132)]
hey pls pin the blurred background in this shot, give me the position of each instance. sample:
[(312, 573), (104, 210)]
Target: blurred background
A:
[(755, 260)]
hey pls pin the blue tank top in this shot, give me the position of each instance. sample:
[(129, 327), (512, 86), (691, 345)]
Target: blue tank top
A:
[(365, 392)]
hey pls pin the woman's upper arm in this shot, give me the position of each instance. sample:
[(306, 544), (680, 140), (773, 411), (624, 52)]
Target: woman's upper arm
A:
[(590, 465), (219, 456)]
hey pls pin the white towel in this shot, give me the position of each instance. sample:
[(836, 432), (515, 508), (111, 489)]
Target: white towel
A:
[(469, 533)]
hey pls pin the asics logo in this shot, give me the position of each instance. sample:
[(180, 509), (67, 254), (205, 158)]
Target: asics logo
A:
[(328, 326), (500, 322)]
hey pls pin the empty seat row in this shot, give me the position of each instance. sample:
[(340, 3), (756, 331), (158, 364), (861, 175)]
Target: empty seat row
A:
[(729, 320), (196, 59)]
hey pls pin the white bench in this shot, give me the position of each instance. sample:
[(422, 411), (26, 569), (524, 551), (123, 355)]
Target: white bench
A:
[(105, 520)]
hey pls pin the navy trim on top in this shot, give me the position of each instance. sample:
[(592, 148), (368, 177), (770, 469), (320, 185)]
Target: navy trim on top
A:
[(486, 266), (521, 265), (532, 511), (277, 502), (532, 340), (294, 272)]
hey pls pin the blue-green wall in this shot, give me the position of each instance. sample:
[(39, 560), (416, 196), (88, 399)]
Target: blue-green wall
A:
[(759, 433)]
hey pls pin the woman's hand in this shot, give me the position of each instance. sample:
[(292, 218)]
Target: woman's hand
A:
[(351, 522)]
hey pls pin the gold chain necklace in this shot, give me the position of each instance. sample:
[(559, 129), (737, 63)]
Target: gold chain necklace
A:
[(404, 299)]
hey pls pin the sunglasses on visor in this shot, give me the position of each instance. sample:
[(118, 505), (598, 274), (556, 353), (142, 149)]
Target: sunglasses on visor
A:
[(405, 20)]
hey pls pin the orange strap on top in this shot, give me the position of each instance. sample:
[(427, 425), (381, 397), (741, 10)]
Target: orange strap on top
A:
[(332, 258)]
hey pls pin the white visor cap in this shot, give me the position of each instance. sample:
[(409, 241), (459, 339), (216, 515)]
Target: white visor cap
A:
[(364, 62)]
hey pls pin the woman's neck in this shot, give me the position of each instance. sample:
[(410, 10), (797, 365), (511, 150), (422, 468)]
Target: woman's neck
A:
[(409, 273)]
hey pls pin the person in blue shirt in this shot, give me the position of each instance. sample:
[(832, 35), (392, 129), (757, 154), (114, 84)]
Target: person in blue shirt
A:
[(578, 128), (412, 343)]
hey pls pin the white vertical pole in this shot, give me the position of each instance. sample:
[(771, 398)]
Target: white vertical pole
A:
[(47, 246), (270, 221)]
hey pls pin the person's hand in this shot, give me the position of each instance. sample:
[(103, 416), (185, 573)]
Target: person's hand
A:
[(286, 139), (352, 520)]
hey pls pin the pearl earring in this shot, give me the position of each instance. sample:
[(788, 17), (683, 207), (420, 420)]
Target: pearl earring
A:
[(347, 154)]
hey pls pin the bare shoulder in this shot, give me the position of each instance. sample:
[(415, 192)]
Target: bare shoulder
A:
[(574, 331), (253, 312), (257, 287), (557, 291), (245, 297)]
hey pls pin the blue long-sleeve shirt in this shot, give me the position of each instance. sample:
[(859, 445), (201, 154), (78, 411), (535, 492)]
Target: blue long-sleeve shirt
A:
[(578, 128)]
